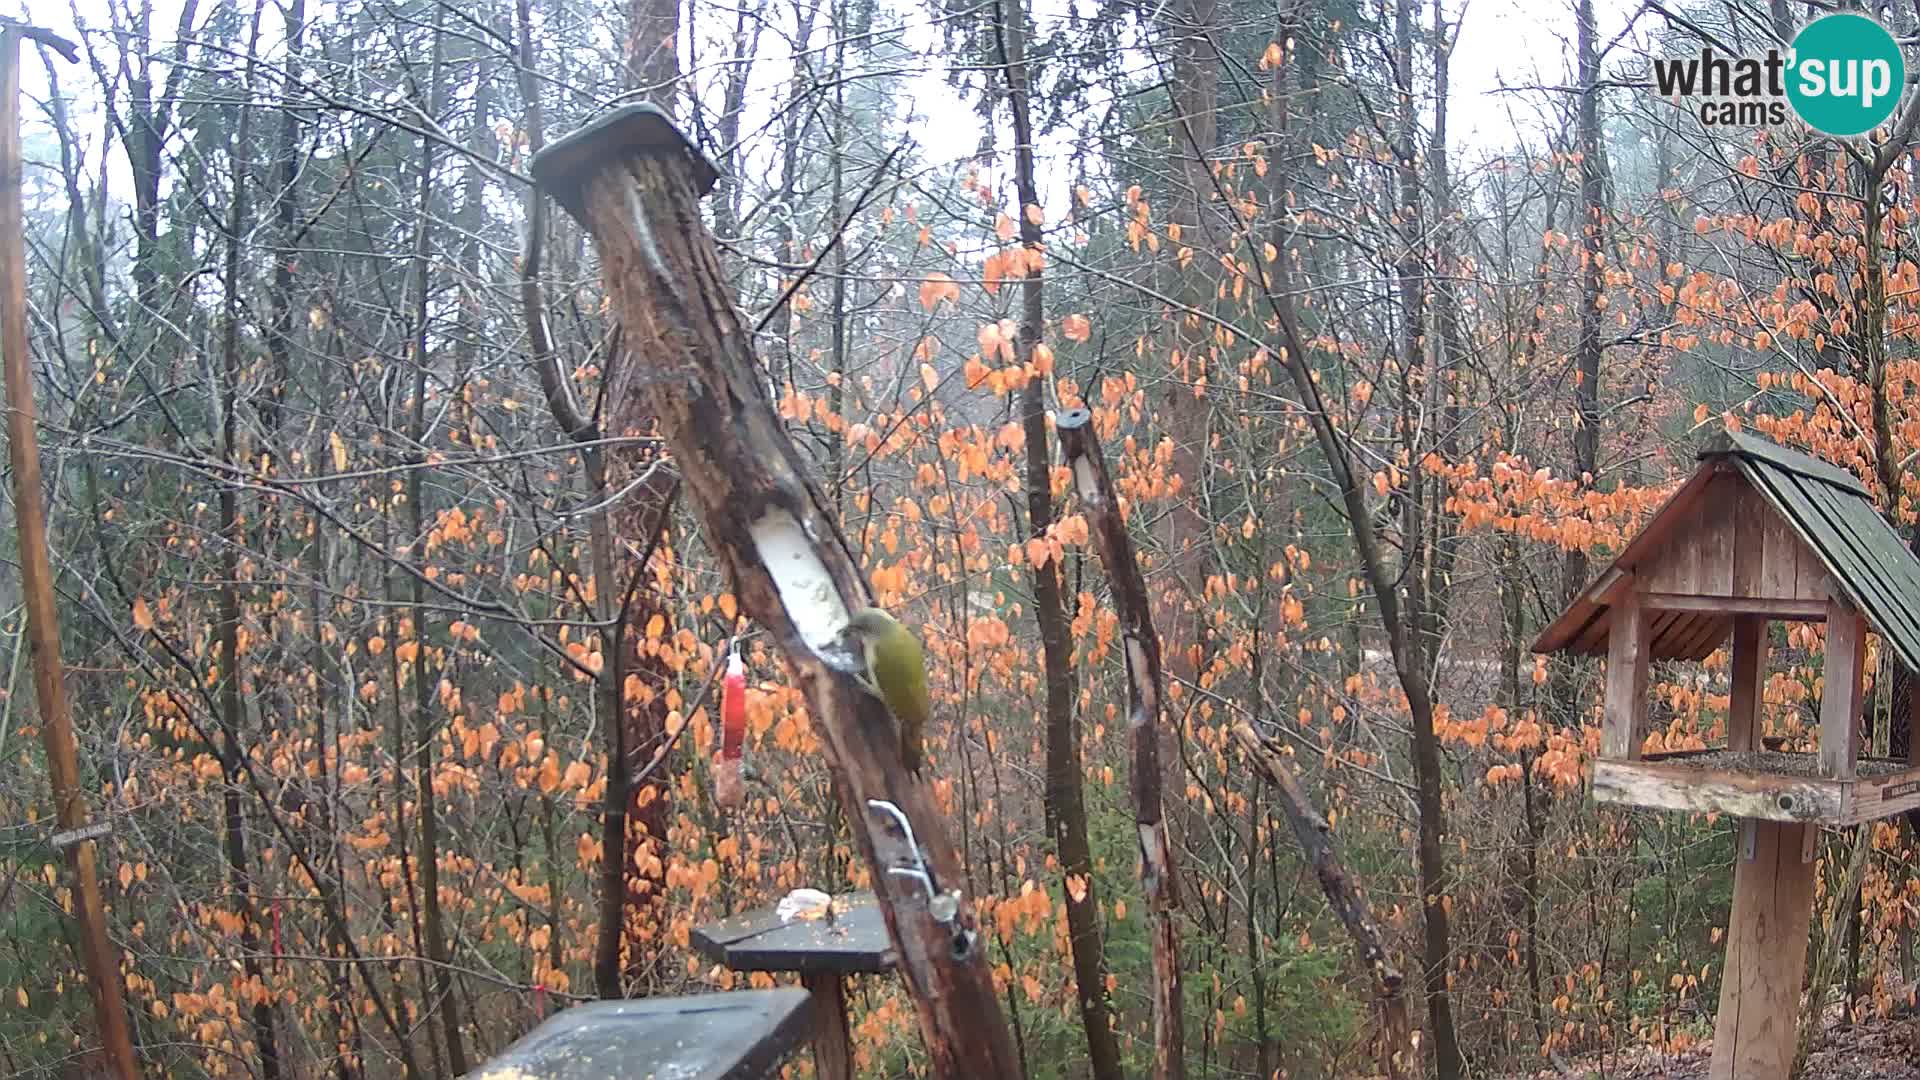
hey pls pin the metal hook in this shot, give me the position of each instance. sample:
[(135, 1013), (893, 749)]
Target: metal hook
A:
[(899, 818), (942, 906), (918, 875)]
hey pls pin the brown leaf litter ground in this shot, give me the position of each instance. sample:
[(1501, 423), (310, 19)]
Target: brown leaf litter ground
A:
[(1875, 1050)]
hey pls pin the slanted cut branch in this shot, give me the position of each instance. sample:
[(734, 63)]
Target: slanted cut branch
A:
[(632, 180), (1315, 836), (1145, 692)]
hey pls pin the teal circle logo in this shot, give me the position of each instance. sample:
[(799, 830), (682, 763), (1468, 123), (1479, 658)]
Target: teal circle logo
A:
[(1846, 75)]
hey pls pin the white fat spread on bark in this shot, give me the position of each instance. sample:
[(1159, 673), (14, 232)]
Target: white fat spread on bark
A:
[(806, 589), (1152, 853), (1137, 670), (1084, 479)]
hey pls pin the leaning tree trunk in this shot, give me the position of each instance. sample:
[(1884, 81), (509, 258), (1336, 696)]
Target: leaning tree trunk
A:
[(634, 182), (1315, 835)]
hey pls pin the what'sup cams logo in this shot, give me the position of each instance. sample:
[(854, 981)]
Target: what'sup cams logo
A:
[(1843, 76)]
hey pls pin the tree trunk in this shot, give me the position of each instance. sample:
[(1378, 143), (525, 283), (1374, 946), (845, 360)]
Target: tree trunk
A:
[(653, 50), (233, 756), (98, 955), (1415, 633), (1315, 836), (286, 205), (1066, 809), (632, 182), (1593, 224), (445, 1003), (1401, 624)]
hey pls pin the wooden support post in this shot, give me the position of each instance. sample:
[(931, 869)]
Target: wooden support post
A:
[(1840, 698), (832, 1040), (98, 954), (1624, 729), (1757, 1028), (1912, 706), (1749, 682)]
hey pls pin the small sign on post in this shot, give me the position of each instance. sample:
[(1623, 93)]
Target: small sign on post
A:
[(65, 839)]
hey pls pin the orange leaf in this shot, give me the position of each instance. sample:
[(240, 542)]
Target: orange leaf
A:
[(937, 287), (989, 339), (142, 618), (1043, 358), (992, 272), (1038, 552)]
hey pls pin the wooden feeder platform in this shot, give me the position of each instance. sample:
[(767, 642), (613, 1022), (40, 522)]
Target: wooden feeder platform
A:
[(1759, 534), (822, 953), (855, 943), (743, 1035), (1766, 785)]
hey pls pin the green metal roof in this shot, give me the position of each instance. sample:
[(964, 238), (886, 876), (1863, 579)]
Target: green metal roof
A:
[(1833, 512)]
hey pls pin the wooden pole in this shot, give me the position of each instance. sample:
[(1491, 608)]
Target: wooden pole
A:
[(634, 183), (1749, 681), (1755, 1033), (1840, 694), (1624, 726), (832, 1039), (101, 957)]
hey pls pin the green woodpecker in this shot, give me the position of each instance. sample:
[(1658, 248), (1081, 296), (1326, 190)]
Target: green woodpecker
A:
[(897, 675)]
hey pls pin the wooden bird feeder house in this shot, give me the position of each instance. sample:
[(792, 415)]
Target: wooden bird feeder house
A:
[(1759, 534)]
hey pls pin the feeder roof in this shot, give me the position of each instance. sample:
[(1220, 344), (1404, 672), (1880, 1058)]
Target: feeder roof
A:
[(1827, 508)]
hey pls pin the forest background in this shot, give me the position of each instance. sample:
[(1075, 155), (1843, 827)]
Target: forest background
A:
[(386, 624)]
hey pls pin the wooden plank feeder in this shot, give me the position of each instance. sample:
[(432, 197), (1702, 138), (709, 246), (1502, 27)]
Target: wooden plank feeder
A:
[(742, 1035), (822, 952), (1759, 534)]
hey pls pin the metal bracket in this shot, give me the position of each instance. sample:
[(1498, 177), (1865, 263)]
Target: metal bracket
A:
[(943, 905), (1749, 839)]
